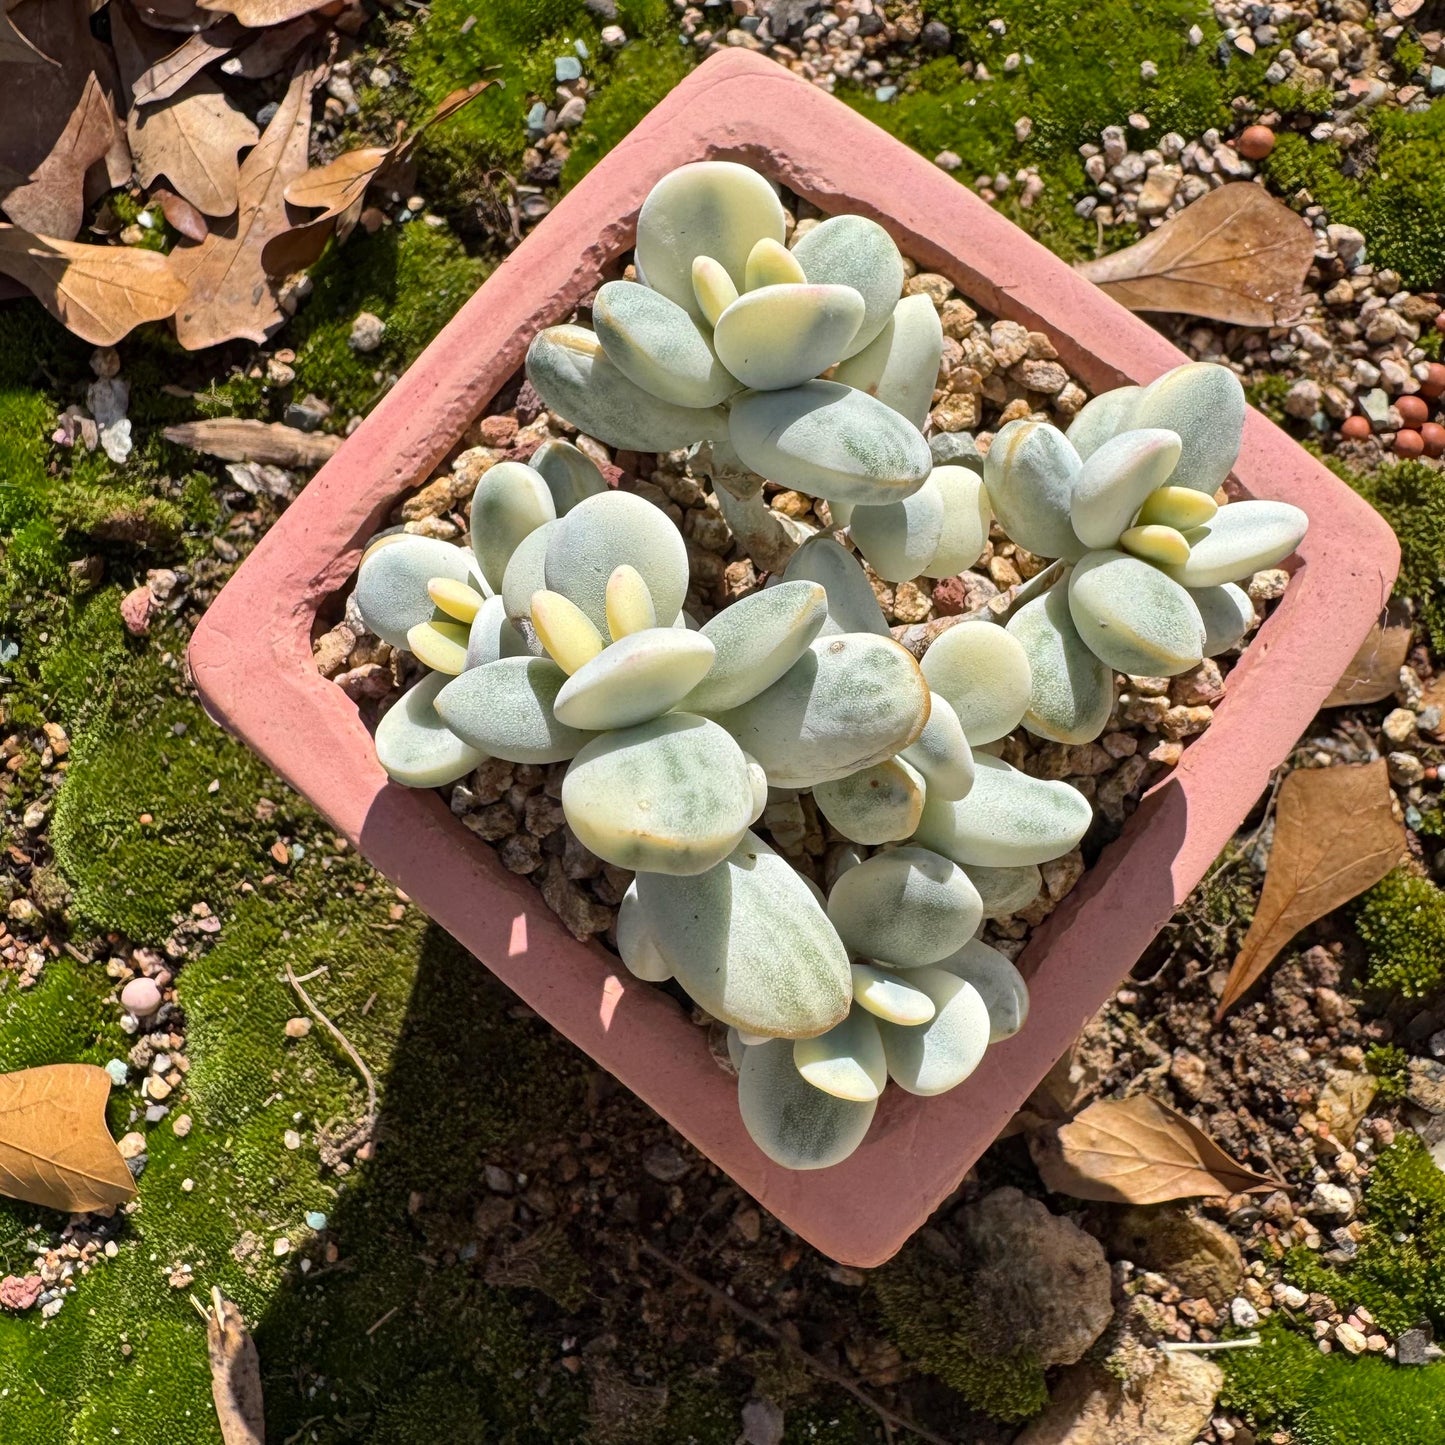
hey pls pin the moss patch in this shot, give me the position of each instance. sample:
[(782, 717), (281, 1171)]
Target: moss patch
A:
[(1402, 923)]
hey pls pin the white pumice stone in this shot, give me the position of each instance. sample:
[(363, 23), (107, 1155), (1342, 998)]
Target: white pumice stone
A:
[(1108, 414), (570, 474), (1072, 691), (505, 709), (1001, 986), (1005, 890), (1132, 616), (635, 943), (966, 515), (941, 751), (830, 441), (1242, 539), (750, 944), (602, 533), (900, 365), (888, 995), (855, 251), (793, 1123), (847, 1061), (851, 603), (391, 586), (881, 804), (982, 672), (655, 343), (1203, 404), (416, 747), (937, 1056), (622, 795), (1007, 820), (782, 336), (709, 208), (900, 539), (511, 500), (1115, 481), (848, 702), (636, 678), (905, 908), (1227, 613), (757, 639), (1030, 472)]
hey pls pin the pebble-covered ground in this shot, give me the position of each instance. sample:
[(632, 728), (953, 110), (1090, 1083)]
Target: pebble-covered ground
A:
[(511, 1247)]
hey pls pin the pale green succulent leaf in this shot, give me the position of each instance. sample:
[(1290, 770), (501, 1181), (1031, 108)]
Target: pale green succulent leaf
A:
[(781, 336), (638, 677), (413, 744), (655, 343), (852, 605), (1182, 508), (510, 502), (899, 539), (526, 573), (1241, 539), (1005, 890), (941, 752), (966, 515), (982, 672), (937, 1056), (635, 943), (881, 804), (1115, 481), (1000, 985), (888, 995), (570, 474), (1164, 546), (1030, 472), (1203, 404), (770, 263), (847, 1061), (794, 1124), (900, 365), (1071, 692), (492, 635), (1227, 613), (855, 251), (1133, 617), (505, 709), (391, 584)]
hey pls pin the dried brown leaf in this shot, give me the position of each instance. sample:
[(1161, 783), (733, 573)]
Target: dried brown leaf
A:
[(1236, 255), (1374, 671), (181, 214), (55, 1149), (258, 14), (98, 292), (164, 77), (15, 47), (235, 1374), (229, 292), (193, 139), (272, 49), (1139, 1151), (243, 440), (1335, 834)]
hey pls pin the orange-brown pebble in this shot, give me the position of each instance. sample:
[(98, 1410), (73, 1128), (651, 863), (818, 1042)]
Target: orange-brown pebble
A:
[(1413, 410), (1409, 443), (1433, 435), (1357, 428), (1256, 142), (1434, 382)]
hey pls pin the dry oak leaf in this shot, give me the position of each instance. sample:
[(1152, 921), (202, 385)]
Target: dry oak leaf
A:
[(245, 440), (193, 139), (1374, 671), (1335, 834), (235, 1373), (164, 77), (98, 292), (1139, 1151), (259, 14), (55, 1149), (229, 294), (1235, 255)]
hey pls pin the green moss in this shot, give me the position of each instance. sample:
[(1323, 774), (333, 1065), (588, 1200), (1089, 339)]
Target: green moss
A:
[(1267, 392), (1409, 55), (1388, 1063), (1333, 1399), (929, 1311), (1401, 921), (1410, 495)]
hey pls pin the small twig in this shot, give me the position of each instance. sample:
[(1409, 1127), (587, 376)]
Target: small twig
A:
[(340, 1039), (887, 1416), (315, 973), (382, 1320), (1204, 1347)]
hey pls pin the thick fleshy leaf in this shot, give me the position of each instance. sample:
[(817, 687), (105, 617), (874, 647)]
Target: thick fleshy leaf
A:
[(900, 365), (416, 747), (1005, 890), (574, 377), (751, 944), (852, 605), (1115, 480), (505, 709), (568, 634), (854, 251), (526, 573), (636, 678), (511, 501), (770, 263), (937, 1056), (1164, 546), (966, 515), (757, 639), (671, 795), (1133, 617), (635, 943), (982, 671), (890, 996), (605, 532), (793, 1123), (629, 603), (439, 644), (710, 208), (1072, 691), (392, 581), (492, 635), (900, 539), (1030, 472), (1108, 414), (1243, 538), (1008, 819), (1203, 404), (906, 908), (458, 600), (571, 475), (655, 343), (1001, 986), (830, 441), (1227, 613), (783, 335), (941, 751), (848, 702), (712, 287), (881, 804), (1182, 508), (847, 1061)]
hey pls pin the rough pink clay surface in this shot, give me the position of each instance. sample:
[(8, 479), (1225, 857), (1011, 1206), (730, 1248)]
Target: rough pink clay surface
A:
[(251, 654)]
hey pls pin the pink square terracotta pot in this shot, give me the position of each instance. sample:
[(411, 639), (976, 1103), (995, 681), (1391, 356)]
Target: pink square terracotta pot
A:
[(251, 655)]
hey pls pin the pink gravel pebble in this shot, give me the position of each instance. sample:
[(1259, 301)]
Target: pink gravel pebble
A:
[(141, 997)]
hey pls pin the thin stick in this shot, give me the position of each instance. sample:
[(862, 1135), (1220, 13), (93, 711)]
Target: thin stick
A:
[(382, 1320), (1204, 1347), (340, 1039), (887, 1416)]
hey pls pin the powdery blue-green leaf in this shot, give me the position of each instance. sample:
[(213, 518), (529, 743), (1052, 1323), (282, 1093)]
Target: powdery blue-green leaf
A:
[(900, 539), (505, 710), (655, 343), (855, 251), (1108, 414), (570, 474), (906, 908), (881, 804), (492, 635), (511, 501), (635, 943), (416, 747), (966, 515), (852, 605), (526, 573), (941, 751), (1000, 985), (1242, 539), (793, 1123), (847, 1061), (1227, 614), (391, 583), (1005, 890), (1115, 481), (636, 678), (982, 671), (782, 336), (1131, 615), (937, 1056), (1030, 472), (1203, 404), (1072, 691), (900, 365)]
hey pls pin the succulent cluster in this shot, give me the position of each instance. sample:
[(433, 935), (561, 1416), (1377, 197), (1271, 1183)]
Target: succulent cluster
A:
[(560, 637)]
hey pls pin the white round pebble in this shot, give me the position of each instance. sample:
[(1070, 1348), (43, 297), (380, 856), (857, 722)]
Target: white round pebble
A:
[(141, 997)]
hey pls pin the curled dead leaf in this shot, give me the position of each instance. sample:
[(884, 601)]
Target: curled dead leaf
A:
[(165, 76), (1236, 255), (235, 1373), (1139, 1151), (55, 1149), (243, 440), (1335, 834), (1374, 671), (192, 138)]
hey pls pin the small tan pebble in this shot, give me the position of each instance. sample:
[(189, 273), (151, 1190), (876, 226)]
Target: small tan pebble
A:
[(1003, 572), (1070, 399), (1405, 769), (787, 823), (937, 288), (792, 504), (1149, 686), (958, 411), (141, 997), (58, 739), (957, 318), (131, 1145), (1119, 745), (1203, 686), (135, 610), (1166, 753), (181, 1126), (1061, 874), (470, 466), (911, 603), (441, 528), (1144, 711), (1042, 376), (498, 431), (371, 680), (582, 916), (1016, 410), (1010, 342), (298, 1028), (1350, 1338), (157, 1089), (281, 1247), (332, 650), (1268, 585), (953, 596), (1400, 726), (1182, 722)]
